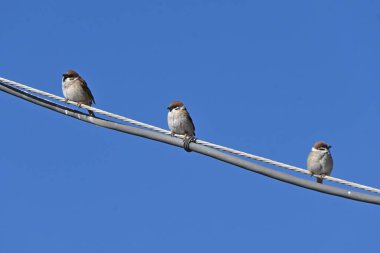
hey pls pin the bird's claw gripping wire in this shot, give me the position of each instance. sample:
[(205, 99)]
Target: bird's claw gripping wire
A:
[(186, 142), (79, 104), (91, 113)]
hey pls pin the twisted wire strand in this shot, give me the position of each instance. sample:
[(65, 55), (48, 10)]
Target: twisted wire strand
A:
[(198, 141)]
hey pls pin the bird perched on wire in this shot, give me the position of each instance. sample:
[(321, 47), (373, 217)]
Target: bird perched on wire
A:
[(180, 122), (75, 88), (319, 161)]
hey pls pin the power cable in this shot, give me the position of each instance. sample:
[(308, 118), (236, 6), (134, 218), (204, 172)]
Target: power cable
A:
[(202, 147)]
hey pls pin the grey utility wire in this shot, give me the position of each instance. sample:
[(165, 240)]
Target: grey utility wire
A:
[(202, 142), (193, 146)]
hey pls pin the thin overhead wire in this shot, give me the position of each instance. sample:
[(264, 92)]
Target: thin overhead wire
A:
[(201, 142), (213, 153)]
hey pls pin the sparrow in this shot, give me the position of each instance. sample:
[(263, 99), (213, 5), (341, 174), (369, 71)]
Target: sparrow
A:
[(180, 122), (319, 161), (75, 88)]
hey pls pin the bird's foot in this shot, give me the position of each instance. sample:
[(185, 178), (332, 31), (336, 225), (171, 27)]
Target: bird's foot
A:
[(66, 100), (172, 133), (186, 142)]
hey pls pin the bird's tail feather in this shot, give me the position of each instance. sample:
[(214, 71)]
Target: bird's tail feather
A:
[(91, 113)]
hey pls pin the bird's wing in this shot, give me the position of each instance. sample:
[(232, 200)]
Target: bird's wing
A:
[(191, 121), (86, 89), (328, 165)]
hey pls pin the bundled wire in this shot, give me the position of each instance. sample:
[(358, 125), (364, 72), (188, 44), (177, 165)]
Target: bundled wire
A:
[(22, 91)]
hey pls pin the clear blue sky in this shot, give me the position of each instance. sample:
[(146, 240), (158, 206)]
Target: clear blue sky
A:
[(266, 77)]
